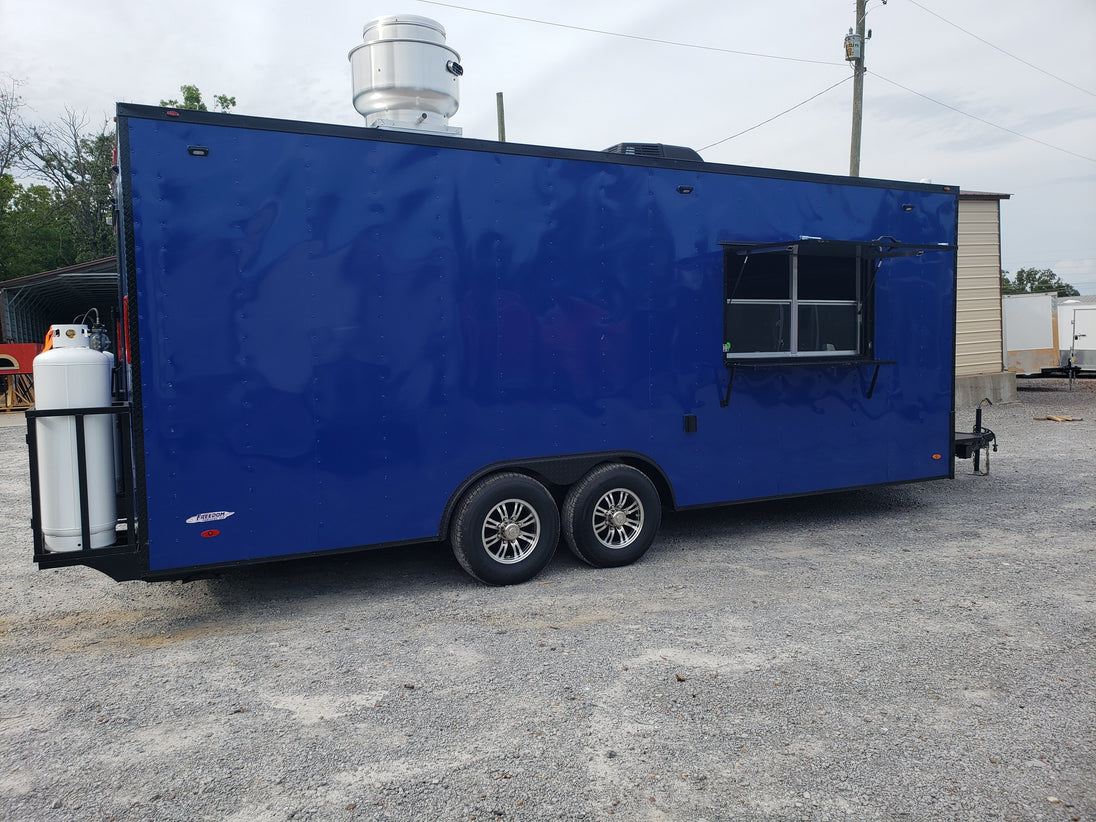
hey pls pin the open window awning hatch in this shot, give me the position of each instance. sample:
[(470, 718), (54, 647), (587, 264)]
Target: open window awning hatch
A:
[(880, 248)]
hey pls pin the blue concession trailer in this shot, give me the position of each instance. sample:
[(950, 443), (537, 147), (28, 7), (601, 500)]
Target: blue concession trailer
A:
[(337, 338)]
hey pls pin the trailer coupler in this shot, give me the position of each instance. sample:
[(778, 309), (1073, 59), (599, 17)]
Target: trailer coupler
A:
[(977, 441)]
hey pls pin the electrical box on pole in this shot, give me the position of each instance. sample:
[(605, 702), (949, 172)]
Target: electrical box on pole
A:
[(854, 46)]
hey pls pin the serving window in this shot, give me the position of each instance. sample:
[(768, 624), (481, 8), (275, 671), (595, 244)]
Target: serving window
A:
[(805, 303), (796, 300)]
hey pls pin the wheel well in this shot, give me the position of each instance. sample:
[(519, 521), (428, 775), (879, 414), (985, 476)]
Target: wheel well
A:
[(657, 477), (559, 473)]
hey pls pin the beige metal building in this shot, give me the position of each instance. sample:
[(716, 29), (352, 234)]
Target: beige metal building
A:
[(979, 339)]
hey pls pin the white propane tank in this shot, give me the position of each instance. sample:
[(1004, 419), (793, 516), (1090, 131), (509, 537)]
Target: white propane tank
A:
[(71, 375)]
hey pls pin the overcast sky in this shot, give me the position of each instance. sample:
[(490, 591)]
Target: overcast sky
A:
[(958, 119)]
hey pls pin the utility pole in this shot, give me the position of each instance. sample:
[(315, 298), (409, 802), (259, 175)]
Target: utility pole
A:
[(854, 52), (500, 113)]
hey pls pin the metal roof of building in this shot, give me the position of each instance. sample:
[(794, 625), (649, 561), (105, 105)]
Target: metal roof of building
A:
[(982, 195)]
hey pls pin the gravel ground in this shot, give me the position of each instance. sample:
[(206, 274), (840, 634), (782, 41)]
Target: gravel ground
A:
[(921, 652)]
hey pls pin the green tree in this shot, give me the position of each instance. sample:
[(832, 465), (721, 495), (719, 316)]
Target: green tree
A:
[(61, 215), (1036, 281), (192, 99), (55, 192), (32, 230), (75, 163)]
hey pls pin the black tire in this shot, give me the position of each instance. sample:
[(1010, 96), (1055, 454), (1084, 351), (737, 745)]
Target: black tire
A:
[(611, 516), (505, 529)]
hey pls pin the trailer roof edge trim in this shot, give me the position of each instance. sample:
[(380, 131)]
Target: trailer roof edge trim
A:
[(879, 248), (471, 144)]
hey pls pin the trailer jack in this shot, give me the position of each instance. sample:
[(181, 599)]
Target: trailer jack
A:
[(974, 443)]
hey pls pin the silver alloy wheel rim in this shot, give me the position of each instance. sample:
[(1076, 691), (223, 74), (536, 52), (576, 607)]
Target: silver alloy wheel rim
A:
[(618, 518), (511, 530)]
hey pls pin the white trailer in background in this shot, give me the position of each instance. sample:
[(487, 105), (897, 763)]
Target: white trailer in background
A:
[(1077, 335), (1031, 333)]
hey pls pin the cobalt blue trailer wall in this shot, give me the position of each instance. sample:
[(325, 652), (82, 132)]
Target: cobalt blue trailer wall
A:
[(336, 327)]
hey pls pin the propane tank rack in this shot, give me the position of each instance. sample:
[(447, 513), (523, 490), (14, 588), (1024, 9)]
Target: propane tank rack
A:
[(118, 557)]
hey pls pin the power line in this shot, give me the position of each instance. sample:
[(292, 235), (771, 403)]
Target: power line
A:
[(983, 120), (607, 33), (631, 36), (1006, 53), (775, 116)]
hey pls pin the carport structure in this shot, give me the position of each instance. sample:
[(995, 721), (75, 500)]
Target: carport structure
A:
[(30, 305)]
